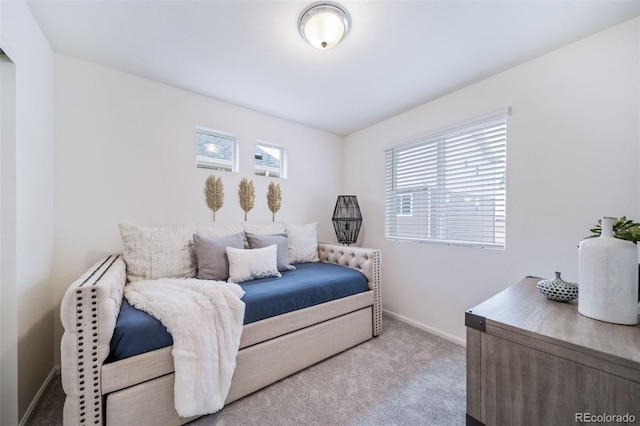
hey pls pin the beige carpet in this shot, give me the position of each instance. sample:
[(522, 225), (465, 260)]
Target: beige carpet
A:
[(403, 377)]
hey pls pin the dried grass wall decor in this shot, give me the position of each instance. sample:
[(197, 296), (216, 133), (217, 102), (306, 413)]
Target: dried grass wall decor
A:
[(214, 194), (274, 199), (247, 195)]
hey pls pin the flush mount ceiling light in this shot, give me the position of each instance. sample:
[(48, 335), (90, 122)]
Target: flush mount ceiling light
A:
[(324, 24)]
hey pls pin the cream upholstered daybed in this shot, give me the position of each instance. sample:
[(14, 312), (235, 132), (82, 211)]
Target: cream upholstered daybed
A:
[(139, 390)]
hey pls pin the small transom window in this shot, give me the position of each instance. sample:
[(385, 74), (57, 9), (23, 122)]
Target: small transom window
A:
[(216, 150), (270, 160)]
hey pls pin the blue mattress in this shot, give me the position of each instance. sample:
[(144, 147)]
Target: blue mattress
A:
[(310, 284)]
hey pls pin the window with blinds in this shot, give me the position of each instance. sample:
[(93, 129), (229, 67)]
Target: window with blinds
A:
[(450, 187)]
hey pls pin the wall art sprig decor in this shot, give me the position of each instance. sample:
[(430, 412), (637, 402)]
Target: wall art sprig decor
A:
[(214, 194), (274, 199), (247, 194)]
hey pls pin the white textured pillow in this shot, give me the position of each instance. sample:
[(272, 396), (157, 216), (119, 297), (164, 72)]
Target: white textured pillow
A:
[(158, 252), (303, 242), (247, 265), (264, 228), (152, 252), (218, 230)]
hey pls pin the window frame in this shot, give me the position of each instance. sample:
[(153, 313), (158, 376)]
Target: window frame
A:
[(231, 165), (457, 181), (282, 170)]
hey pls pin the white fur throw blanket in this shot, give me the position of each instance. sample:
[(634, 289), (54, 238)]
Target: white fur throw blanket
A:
[(205, 319)]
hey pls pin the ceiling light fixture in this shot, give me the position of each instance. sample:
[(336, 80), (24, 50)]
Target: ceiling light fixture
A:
[(324, 24)]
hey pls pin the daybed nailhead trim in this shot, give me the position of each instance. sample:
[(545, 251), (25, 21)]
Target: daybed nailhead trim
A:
[(377, 293), (87, 326)]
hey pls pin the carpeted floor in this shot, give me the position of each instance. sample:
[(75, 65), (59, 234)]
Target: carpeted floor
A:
[(403, 377)]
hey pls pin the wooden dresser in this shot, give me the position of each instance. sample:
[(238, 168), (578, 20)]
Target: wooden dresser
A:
[(533, 361)]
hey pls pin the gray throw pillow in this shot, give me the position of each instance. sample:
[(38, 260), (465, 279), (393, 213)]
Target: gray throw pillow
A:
[(211, 255), (280, 240)]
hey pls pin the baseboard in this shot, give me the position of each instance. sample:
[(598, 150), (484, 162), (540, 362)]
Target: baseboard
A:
[(421, 326), (36, 399)]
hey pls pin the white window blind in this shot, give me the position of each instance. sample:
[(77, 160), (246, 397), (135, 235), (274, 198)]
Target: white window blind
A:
[(450, 187)]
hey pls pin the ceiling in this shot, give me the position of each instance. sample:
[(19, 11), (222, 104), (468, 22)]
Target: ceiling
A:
[(398, 54)]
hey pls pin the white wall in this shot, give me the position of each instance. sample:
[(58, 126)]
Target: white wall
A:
[(125, 152), (32, 207), (8, 310), (572, 157)]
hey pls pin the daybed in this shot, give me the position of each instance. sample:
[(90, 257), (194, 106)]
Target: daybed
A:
[(139, 390)]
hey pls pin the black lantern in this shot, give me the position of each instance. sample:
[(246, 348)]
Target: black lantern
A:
[(347, 219)]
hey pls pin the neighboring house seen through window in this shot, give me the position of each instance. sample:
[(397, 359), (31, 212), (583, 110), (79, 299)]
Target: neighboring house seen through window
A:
[(404, 204), (450, 187), (216, 150), (270, 160)]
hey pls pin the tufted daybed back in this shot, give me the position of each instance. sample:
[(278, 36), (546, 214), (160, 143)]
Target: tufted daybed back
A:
[(364, 260)]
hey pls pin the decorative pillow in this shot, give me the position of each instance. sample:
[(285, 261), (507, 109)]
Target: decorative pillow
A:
[(219, 230), (211, 255), (158, 252), (264, 228), (280, 240), (303, 242), (247, 265)]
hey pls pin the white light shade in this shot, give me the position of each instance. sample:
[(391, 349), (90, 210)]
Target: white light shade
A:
[(323, 25)]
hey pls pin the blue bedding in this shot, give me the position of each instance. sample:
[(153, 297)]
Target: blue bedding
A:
[(310, 284)]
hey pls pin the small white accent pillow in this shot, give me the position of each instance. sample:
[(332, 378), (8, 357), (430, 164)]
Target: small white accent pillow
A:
[(303, 242), (247, 265)]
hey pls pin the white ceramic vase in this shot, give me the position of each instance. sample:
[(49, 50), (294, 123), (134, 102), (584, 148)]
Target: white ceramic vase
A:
[(608, 277)]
